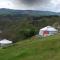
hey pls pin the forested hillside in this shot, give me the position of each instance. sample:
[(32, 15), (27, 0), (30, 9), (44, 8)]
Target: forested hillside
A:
[(19, 27)]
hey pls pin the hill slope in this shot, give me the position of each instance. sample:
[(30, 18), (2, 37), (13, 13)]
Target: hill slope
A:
[(33, 49), (29, 12)]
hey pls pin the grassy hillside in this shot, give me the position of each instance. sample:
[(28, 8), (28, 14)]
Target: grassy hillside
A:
[(33, 49)]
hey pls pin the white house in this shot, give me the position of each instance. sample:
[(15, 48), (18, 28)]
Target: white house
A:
[(5, 43), (47, 31)]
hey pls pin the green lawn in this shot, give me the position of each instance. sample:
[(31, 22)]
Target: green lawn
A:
[(33, 49)]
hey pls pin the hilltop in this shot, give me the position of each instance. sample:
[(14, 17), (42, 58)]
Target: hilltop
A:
[(28, 12), (33, 49)]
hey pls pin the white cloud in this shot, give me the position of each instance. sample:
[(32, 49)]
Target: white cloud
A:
[(54, 5), (6, 4)]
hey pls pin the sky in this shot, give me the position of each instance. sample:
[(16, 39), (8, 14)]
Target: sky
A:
[(45, 5)]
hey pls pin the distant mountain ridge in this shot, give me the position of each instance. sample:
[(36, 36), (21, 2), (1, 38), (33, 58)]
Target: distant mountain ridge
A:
[(29, 12)]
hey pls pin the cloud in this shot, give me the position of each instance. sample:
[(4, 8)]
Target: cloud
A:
[(31, 3), (6, 4)]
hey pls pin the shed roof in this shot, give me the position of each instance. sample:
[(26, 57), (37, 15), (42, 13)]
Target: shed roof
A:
[(49, 28), (5, 41)]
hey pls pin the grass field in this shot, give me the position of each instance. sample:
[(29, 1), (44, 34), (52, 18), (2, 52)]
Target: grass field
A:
[(33, 49)]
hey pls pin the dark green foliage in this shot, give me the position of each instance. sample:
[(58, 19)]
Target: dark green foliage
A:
[(20, 27)]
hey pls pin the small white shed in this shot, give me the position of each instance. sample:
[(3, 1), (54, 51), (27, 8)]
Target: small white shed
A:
[(47, 31), (5, 43)]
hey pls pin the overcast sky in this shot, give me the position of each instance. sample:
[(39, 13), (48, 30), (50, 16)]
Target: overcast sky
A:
[(47, 5)]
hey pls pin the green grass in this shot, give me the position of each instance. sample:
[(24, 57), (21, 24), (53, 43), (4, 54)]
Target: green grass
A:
[(33, 49)]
